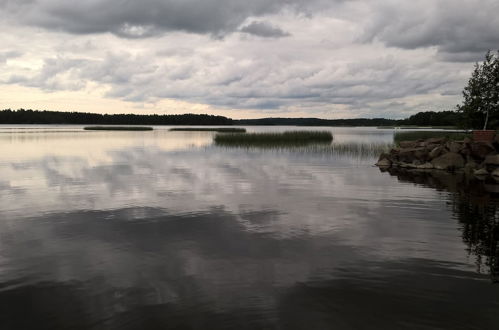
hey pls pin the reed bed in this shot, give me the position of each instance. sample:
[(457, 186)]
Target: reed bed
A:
[(291, 138), (423, 135), (358, 150), (209, 129), (361, 149), (117, 128)]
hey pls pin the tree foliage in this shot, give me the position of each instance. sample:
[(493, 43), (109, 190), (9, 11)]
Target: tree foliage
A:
[(480, 106), (22, 116)]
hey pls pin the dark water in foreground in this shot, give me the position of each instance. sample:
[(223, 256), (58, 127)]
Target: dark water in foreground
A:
[(146, 230)]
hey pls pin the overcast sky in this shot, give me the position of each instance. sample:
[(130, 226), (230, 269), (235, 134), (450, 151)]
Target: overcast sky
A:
[(243, 58)]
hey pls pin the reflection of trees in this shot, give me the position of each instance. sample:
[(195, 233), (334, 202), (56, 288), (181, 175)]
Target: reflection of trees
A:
[(475, 204)]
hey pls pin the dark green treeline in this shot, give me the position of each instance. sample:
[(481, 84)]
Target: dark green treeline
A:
[(22, 116)]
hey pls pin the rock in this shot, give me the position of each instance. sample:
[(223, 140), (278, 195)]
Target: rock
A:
[(384, 156), (480, 150), (496, 138), (481, 172), (425, 166), (495, 173), (421, 155), (467, 140), (492, 160), (454, 146), (408, 144), (384, 163), (448, 161), (492, 188), (435, 152), (465, 152), (435, 140), (470, 166), (394, 151)]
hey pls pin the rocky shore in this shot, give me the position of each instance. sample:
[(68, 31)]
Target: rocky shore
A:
[(478, 158)]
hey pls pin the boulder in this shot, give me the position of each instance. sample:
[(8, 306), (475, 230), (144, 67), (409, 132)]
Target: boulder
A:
[(470, 166), (435, 152), (495, 173), (421, 155), (384, 156), (384, 163), (454, 146), (425, 166), (492, 160), (407, 155), (435, 140), (481, 172), (448, 161), (408, 144), (480, 150)]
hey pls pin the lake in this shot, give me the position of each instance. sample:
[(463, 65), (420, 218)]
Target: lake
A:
[(165, 230)]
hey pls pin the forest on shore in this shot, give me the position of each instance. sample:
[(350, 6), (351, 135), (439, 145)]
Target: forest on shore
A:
[(22, 116)]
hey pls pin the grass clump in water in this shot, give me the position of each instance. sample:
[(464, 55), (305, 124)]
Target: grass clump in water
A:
[(209, 129), (361, 149), (117, 128), (423, 135), (291, 138)]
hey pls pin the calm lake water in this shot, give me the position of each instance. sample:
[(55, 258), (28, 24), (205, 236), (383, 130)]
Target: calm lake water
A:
[(164, 230)]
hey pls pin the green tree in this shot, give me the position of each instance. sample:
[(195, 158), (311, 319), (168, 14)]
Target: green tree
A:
[(480, 106)]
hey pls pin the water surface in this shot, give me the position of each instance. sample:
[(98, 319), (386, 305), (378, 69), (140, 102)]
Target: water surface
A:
[(130, 230)]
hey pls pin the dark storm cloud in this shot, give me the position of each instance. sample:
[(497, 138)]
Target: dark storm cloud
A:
[(137, 19), (264, 29), (461, 30)]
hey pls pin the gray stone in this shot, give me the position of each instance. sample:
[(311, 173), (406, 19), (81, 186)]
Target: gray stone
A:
[(435, 152), (480, 149), (408, 144), (481, 172), (454, 146), (448, 161), (470, 166), (492, 160), (384, 163), (435, 140), (407, 155), (425, 166), (495, 173), (493, 188), (384, 156)]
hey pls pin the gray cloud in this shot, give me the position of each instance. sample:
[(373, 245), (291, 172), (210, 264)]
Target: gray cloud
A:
[(461, 30), (4, 56), (262, 84), (132, 19), (264, 29)]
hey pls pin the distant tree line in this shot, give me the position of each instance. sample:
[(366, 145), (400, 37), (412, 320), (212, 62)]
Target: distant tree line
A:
[(22, 116), (318, 122)]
